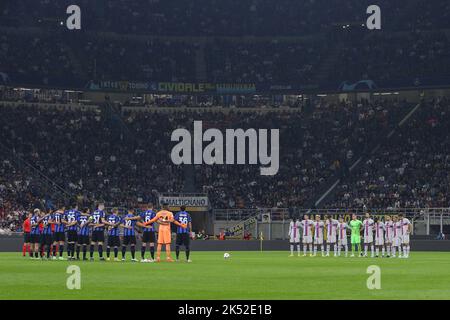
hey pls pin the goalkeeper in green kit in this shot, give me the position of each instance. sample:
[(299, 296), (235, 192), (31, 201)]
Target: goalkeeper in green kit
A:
[(356, 226)]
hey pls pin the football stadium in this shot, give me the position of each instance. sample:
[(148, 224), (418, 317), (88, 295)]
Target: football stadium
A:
[(224, 150)]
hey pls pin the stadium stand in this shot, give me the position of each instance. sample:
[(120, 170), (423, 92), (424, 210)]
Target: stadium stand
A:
[(410, 171), (202, 41), (231, 18), (103, 152), (279, 62), (91, 156), (330, 138), (85, 154)]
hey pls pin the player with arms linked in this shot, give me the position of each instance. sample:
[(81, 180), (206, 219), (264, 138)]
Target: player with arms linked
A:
[(164, 218), (148, 233), (113, 222), (84, 230), (58, 219), (183, 234), (35, 233), (129, 234), (98, 232), (46, 235), (71, 217)]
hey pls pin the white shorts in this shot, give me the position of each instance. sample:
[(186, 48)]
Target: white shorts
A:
[(389, 239), (379, 241), (307, 239), (405, 239), (368, 239), (318, 240), (342, 242), (294, 240), (397, 241), (331, 239)]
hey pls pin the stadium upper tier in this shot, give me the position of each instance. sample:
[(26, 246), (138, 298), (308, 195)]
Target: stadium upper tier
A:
[(294, 42), (413, 170), (90, 155), (390, 60), (227, 18)]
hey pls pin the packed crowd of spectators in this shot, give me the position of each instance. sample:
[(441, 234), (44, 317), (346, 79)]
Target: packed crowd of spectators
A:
[(126, 160), (87, 154), (227, 18), (42, 59), (386, 57), (290, 42), (138, 60), (412, 170), (95, 155), (266, 62), (397, 59), (313, 147), (36, 59), (16, 196)]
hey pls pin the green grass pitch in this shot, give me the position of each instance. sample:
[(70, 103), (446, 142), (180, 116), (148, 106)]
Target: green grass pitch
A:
[(246, 275)]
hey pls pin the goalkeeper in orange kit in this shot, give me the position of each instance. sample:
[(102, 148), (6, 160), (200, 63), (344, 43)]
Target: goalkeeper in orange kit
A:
[(164, 218)]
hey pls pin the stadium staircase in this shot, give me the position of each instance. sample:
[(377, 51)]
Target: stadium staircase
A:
[(115, 121), (328, 64), (77, 67), (328, 191), (49, 184), (240, 228), (113, 115)]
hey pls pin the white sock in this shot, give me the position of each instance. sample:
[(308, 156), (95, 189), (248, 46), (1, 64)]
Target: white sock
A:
[(292, 249), (305, 248), (328, 248), (298, 248), (315, 249), (311, 248), (335, 249), (322, 249), (346, 250), (377, 251), (388, 248), (393, 251), (408, 249), (365, 249), (382, 251), (405, 251), (372, 249)]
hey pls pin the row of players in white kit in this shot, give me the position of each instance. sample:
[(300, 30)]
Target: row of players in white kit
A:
[(391, 236)]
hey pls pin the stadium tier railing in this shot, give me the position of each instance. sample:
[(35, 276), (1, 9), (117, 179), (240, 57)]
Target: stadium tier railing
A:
[(273, 223), (279, 214), (49, 105)]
